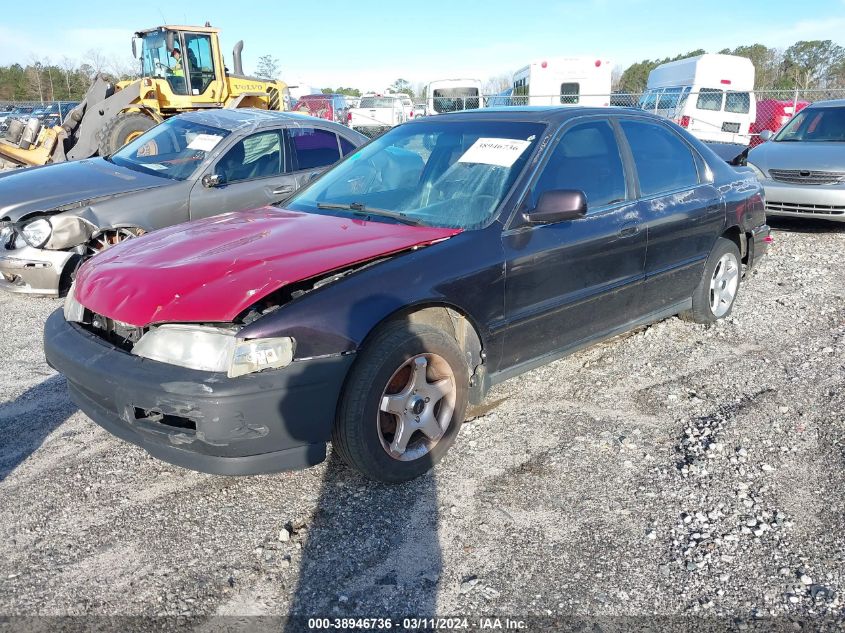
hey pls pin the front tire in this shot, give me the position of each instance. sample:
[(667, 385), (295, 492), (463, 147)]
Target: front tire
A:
[(403, 404), (715, 295), (122, 129)]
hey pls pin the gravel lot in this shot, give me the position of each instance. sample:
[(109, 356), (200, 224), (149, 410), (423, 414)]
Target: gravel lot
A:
[(677, 470)]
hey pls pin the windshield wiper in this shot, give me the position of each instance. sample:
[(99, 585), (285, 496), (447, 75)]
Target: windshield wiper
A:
[(362, 209)]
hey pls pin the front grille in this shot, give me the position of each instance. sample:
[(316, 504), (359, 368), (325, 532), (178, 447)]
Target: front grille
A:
[(807, 177), (809, 209), (119, 334)]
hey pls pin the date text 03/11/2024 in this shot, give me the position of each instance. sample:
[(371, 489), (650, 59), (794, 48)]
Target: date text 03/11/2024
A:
[(418, 624)]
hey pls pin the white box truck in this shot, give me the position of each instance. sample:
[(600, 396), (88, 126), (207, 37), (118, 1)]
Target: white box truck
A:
[(567, 81), (711, 95)]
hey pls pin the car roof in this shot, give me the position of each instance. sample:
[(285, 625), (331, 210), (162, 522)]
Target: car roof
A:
[(544, 114), (831, 103), (238, 118)]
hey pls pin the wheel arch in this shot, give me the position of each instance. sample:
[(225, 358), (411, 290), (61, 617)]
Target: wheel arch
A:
[(738, 237), (456, 322)]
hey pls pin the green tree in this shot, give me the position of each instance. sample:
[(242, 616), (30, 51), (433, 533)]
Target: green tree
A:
[(268, 67), (814, 63), (350, 92), (402, 85)]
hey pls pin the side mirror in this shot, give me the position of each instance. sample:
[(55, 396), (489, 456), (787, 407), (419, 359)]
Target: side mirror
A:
[(169, 39), (134, 50), (557, 205), (766, 135), (209, 181)]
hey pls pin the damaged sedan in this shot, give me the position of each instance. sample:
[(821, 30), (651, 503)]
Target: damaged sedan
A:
[(191, 166), (445, 256)]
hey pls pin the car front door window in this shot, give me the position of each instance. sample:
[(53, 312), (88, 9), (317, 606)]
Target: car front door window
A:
[(587, 159), (257, 156)]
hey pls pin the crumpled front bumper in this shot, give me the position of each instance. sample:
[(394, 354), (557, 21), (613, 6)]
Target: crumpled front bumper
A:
[(265, 422), (31, 270)]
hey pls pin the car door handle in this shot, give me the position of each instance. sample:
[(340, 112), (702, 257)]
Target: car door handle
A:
[(629, 230), (278, 191)]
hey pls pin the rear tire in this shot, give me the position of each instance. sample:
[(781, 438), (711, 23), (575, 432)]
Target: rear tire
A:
[(403, 403), (125, 127), (715, 295)]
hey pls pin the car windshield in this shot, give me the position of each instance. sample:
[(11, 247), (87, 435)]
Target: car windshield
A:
[(173, 149), (448, 174), (815, 124)]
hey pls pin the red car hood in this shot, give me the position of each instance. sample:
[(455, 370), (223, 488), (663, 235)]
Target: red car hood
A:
[(213, 269)]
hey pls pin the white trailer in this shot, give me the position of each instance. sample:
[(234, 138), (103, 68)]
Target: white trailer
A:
[(711, 95), (567, 81), (452, 95)]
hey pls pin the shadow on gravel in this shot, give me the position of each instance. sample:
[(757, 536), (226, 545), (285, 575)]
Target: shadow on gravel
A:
[(29, 418), (808, 225), (372, 550)]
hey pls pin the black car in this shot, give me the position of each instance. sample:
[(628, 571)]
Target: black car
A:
[(398, 287)]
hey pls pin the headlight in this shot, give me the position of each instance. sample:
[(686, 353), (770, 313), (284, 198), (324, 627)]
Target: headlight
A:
[(213, 349), (5, 231), (37, 232), (74, 311), (757, 171)]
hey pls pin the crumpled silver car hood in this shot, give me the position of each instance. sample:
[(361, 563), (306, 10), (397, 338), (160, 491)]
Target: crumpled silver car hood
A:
[(24, 191), (814, 156)]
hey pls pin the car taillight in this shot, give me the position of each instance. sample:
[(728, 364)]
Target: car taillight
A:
[(684, 122), (348, 116)]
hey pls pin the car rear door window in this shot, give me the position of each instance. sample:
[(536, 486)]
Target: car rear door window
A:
[(313, 147), (587, 159), (347, 147), (709, 99), (664, 161)]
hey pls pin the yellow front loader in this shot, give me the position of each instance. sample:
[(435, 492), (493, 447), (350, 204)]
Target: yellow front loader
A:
[(182, 69)]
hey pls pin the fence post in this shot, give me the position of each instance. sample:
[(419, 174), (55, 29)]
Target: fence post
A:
[(795, 102)]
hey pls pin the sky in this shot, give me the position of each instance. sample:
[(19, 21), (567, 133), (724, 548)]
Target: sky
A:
[(368, 44)]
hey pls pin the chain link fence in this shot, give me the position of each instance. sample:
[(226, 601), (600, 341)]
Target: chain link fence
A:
[(712, 114), (50, 113), (715, 114)]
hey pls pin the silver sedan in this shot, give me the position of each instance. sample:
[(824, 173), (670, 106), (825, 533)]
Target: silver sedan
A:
[(191, 166), (802, 167)]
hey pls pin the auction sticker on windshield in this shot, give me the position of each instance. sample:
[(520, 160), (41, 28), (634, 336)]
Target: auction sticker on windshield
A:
[(495, 151), (204, 142)]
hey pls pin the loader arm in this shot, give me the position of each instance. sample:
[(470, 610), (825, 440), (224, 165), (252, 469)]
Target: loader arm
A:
[(99, 110)]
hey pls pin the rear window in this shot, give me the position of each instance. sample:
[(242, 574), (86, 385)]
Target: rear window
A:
[(739, 102), (378, 102), (569, 92), (454, 99), (709, 99)]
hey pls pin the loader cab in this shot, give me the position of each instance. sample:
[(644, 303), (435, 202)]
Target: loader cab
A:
[(198, 71)]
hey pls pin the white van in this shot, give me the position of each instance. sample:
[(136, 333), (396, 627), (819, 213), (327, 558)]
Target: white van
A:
[(569, 81), (452, 95), (711, 95)]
